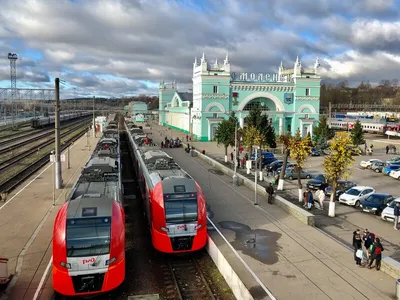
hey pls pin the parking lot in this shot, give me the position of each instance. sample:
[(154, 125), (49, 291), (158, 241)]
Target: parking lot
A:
[(349, 218)]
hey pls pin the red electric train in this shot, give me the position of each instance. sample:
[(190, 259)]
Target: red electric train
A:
[(174, 203), (89, 230)]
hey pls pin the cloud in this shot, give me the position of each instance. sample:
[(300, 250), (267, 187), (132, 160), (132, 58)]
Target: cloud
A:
[(85, 42)]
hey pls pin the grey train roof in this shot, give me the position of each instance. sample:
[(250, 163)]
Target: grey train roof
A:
[(105, 188), (101, 204)]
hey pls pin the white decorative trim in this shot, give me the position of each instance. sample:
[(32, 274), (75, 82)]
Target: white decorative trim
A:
[(211, 122), (212, 104), (307, 98), (278, 103), (309, 106), (215, 96), (263, 88)]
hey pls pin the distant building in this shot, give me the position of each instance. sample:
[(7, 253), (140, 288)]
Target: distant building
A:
[(291, 98), (138, 108)]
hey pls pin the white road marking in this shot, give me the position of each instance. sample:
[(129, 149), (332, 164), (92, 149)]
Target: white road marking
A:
[(20, 258), (38, 290), (387, 142)]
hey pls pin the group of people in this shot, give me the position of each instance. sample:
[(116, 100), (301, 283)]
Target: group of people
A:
[(309, 201), (372, 246)]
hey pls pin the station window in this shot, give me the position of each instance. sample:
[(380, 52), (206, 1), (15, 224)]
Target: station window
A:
[(215, 89), (215, 115), (307, 92), (306, 116)]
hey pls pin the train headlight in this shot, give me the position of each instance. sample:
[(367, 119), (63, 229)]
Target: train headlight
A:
[(110, 261), (65, 265), (164, 229)]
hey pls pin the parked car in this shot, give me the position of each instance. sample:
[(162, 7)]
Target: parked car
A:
[(268, 158), (376, 203), (292, 173), (315, 152), (274, 165), (378, 166), (389, 168), (355, 195), (388, 212), (342, 186), (289, 166), (368, 163), (394, 160), (318, 182), (395, 174)]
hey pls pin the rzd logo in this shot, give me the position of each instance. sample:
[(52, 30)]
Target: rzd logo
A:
[(89, 261)]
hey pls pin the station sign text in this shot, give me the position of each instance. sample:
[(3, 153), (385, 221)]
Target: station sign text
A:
[(260, 77)]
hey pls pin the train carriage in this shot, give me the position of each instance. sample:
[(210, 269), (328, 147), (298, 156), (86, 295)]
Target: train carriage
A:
[(89, 230), (174, 203)]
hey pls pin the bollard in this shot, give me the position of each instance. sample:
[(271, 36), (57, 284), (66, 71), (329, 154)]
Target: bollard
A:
[(397, 289)]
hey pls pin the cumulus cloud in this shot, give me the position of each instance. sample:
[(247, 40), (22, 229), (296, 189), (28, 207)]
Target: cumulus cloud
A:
[(84, 42)]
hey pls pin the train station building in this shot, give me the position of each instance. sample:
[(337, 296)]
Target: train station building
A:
[(290, 98)]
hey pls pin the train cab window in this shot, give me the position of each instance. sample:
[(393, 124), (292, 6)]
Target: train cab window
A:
[(180, 208), (88, 237)]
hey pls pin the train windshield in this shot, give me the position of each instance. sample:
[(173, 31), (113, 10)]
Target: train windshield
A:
[(87, 237), (180, 208)]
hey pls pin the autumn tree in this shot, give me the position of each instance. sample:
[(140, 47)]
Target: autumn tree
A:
[(357, 135), (263, 124), (252, 136), (300, 149), (225, 133), (337, 164), (284, 140)]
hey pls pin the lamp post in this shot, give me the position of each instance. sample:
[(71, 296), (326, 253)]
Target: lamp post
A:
[(235, 177), (255, 178), (53, 177)]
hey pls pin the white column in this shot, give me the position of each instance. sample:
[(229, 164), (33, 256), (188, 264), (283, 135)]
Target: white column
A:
[(311, 130), (301, 128), (241, 122), (280, 126)]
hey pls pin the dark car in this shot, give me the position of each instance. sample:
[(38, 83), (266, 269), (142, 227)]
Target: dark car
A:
[(376, 203), (342, 186), (318, 182), (274, 165), (315, 152), (268, 158)]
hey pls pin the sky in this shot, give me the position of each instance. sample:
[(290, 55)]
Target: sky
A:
[(117, 48)]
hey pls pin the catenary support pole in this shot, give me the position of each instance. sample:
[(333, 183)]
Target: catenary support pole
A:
[(57, 134), (94, 123)]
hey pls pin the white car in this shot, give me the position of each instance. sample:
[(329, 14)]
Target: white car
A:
[(395, 174), (368, 163), (388, 212), (355, 195)]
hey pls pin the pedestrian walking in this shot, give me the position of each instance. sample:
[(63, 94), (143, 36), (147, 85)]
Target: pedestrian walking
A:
[(396, 215), (270, 192), (232, 156), (305, 198), (376, 254), (187, 138), (321, 197), (359, 252), (387, 149), (310, 199), (355, 233)]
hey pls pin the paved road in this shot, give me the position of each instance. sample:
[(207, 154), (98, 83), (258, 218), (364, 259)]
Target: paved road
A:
[(347, 218)]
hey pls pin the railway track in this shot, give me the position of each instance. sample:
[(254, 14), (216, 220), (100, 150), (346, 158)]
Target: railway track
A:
[(10, 162), (185, 280), (16, 134), (4, 148), (24, 173)]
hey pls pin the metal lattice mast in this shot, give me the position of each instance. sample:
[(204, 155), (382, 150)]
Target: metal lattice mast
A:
[(13, 70)]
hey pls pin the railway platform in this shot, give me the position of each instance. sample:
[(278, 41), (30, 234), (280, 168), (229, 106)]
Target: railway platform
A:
[(26, 222), (287, 259)]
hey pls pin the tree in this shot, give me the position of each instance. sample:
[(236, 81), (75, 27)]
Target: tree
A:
[(252, 136), (322, 133), (337, 163), (284, 140), (300, 149), (225, 134), (357, 135), (263, 124)]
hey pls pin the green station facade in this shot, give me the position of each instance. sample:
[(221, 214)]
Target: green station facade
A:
[(290, 98)]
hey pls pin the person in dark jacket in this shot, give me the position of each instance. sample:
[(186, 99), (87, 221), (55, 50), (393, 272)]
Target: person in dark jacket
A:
[(355, 233), (310, 199), (376, 254), (358, 246), (396, 215), (368, 239), (270, 191)]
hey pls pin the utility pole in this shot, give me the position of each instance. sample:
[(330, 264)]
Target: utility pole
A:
[(94, 124), (235, 177), (57, 134)]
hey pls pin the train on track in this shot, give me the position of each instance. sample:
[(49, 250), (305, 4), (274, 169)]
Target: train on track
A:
[(368, 125), (40, 122), (89, 229), (174, 203)]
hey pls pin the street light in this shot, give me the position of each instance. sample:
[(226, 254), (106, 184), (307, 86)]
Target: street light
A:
[(235, 176), (53, 152)]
